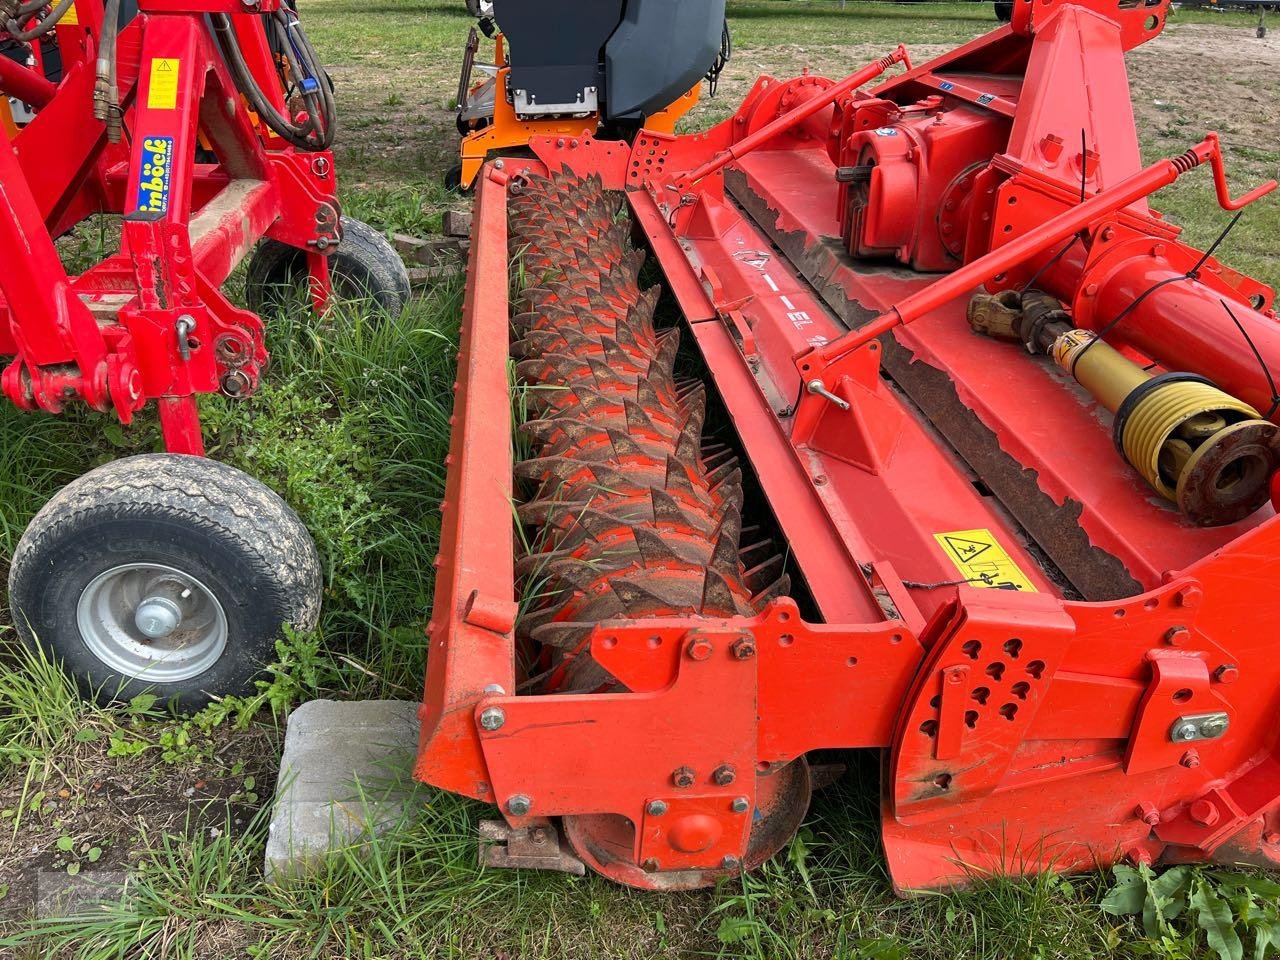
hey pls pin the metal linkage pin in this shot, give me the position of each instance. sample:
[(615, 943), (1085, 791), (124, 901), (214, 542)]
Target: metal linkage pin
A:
[(820, 388)]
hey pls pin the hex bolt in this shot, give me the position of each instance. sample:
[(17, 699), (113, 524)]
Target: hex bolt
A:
[(729, 862), (1189, 596), (656, 808), (1177, 636), (492, 718), (519, 805), (1203, 812), (682, 777), (740, 805), (1227, 673), (1271, 837), (698, 648), (724, 775), (1147, 813), (650, 865), (743, 649), (1137, 856), (1186, 730), (1190, 759)]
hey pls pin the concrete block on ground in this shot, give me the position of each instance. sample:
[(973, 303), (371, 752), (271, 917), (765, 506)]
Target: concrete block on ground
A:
[(346, 769)]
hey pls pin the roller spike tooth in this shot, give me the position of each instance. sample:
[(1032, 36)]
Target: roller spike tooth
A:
[(779, 588), (535, 565), (647, 395), (638, 418), (637, 600), (724, 554), (610, 479), (677, 478), (542, 430), (668, 347), (575, 573), (665, 508), (563, 635), (623, 444), (764, 572), (653, 550), (547, 469), (597, 525), (687, 443), (717, 597), (722, 471), (728, 493), (614, 355)]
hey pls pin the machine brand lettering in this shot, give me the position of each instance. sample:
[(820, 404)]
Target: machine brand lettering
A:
[(154, 174)]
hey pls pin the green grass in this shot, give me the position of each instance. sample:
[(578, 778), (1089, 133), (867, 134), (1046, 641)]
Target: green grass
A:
[(352, 427)]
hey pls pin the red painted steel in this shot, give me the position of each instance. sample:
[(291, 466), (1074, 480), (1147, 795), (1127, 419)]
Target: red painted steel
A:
[(148, 323), (1029, 714)]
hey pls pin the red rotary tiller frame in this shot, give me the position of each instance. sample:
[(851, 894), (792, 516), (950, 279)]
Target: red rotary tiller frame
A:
[(199, 179), (1040, 570)]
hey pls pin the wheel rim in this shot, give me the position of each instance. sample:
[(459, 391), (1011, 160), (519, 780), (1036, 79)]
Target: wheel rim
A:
[(152, 622)]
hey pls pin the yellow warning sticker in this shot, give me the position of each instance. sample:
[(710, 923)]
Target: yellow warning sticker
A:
[(982, 561), (162, 94), (70, 18)]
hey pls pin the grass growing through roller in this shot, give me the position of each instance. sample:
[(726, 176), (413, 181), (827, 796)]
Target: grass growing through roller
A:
[(352, 427)]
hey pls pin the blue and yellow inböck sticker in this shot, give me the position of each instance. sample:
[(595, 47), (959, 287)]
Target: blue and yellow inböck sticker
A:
[(153, 176)]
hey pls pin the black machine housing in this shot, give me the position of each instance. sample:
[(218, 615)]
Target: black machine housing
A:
[(622, 59)]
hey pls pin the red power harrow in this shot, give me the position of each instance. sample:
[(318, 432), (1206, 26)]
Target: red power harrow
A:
[(205, 125), (1016, 437)]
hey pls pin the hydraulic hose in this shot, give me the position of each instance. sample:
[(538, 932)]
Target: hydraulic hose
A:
[(316, 129), (14, 26)]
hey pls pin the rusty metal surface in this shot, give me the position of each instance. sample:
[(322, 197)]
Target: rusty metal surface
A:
[(535, 846)]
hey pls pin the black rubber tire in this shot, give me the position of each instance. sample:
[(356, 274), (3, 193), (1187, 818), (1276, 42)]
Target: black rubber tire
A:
[(453, 179), (209, 520), (1004, 10), (364, 267)]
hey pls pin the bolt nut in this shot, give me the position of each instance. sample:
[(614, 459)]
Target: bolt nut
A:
[(650, 865), (1227, 673), (519, 805), (724, 775), (1138, 856), (492, 718), (682, 777), (730, 862), (1177, 636), (1271, 837), (740, 805), (1190, 759), (1189, 596), (699, 649), (1203, 812), (1147, 813), (656, 808), (743, 649)]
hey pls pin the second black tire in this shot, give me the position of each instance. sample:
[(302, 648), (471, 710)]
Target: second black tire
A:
[(365, 265)]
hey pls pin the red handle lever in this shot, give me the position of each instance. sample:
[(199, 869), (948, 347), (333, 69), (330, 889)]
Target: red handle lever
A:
[(1220, 178)]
